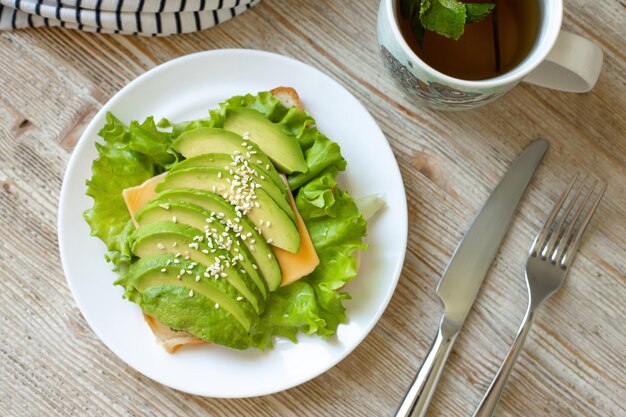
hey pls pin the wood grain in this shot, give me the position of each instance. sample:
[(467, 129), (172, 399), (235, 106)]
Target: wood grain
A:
[(53, 81)]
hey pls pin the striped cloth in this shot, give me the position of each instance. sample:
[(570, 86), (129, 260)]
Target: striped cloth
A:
[(131, 17)]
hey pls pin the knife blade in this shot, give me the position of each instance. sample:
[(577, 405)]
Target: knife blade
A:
[(466, 271)]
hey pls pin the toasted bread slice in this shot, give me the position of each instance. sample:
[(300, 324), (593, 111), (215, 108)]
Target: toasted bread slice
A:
[(288, 97)]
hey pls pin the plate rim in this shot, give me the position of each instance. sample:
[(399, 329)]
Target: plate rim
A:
[(83, 141)]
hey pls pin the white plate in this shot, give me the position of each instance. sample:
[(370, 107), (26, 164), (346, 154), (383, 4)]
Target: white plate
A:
[(185, 88)]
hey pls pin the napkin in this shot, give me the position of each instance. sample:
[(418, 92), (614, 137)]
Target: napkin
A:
[(131, 17)]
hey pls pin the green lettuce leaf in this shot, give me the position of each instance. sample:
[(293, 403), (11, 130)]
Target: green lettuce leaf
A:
[(128, 157)]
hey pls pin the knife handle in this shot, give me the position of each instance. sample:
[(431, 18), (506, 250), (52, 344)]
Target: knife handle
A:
[(422, 388)]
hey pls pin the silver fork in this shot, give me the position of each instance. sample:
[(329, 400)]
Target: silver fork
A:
[(549, 260)]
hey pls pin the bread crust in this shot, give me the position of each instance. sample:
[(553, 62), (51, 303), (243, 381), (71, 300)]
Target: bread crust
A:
[(288, 97)]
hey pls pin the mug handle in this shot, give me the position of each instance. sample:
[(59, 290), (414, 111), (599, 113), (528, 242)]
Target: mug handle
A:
[(573, 65)]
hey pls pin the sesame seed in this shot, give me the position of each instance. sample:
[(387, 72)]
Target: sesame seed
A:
[(186, 257), (164, 206), (174, 244), (217, 306), (182, 271), (268, 224), (239, 298), (205, 251), (223, 274), (269, 256), (219, 174), (169, 261), (243, 271), (160, 246), (252, 248), (254, 266), (246, 133), (178, 277), (237, 152), (269, 241), (176, 261), (177, 255), (174, 219), (267, 167), (197, 277), (163, 269), (191, 293)]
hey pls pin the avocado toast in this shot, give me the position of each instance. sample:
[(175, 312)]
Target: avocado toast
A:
[(230, 229)]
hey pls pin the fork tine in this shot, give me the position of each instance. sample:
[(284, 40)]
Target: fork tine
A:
[(567, 235), (570, 250), (557, 234), (544, 233)]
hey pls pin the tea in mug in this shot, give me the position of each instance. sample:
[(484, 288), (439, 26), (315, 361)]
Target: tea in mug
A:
[(488, 48)]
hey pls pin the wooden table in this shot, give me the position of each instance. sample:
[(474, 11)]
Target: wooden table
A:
[(53, 81)]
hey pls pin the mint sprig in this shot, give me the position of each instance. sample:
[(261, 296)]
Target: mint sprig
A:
[(445, 17)]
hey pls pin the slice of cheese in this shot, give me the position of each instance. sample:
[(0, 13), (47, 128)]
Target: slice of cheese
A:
[(293, 265), (136, 197), (297, 265)]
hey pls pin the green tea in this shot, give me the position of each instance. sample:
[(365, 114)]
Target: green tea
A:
[(487, 48)]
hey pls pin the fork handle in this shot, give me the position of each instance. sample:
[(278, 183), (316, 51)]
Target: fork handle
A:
[(491, 398), (422, 388)]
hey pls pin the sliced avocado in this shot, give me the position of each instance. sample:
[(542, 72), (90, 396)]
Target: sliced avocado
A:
[(226, 161), (283, 149), (214, 203), (205, 140), (174, 238), (197, 217), (277, 225), (224, 176), (161, 271)]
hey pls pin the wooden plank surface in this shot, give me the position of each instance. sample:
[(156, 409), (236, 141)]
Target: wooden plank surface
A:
[(574, 363)]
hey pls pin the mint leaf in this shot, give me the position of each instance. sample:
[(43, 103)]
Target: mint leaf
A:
[(478, 11), (445, 17), (424, 6)]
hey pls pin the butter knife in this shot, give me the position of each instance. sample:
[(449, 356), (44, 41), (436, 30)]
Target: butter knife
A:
[(466, 270)]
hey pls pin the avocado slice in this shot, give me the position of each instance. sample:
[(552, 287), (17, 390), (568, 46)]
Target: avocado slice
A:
[(277, 225), (159, 273), (226, 177), (174, 238), (225, 160), (196, 217), (214, 203), (205, 140), (282, 148)]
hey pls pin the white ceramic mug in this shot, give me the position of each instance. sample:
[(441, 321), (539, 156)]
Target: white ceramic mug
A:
[(558, 60)]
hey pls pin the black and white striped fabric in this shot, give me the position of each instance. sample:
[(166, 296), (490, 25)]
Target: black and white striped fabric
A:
[(131, 17)]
